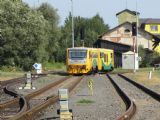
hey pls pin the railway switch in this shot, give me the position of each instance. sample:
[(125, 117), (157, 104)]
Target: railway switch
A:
[(64, 111)]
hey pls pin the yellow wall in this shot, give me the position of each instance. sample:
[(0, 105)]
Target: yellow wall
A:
[(126, 17), (148, 28), (157, 49)]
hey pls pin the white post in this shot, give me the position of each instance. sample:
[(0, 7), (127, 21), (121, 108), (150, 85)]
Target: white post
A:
[(134, 47), (136, 41), (137, 26), (150, 75)]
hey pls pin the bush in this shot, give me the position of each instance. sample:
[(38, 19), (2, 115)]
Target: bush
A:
[(53, 66), (10, 69), (149, 58)]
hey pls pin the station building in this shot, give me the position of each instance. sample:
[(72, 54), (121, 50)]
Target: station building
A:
[(120, 38)]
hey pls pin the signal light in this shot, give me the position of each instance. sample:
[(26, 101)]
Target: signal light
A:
[(134, 29)]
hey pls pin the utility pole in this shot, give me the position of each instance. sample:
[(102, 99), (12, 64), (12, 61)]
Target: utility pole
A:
[(126, 4), (137, 21), (136, 62), (137, 26), (72, 25)]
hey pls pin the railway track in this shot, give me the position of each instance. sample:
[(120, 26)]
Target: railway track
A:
[(146, 100), (16, 81), (130, 105), (5, 89), (11, 81), (27, 98), (31, 113), (141, 100), (21, 79), (16, 101)]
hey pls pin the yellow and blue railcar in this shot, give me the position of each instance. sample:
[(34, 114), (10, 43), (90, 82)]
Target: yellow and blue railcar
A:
[(82, 60)]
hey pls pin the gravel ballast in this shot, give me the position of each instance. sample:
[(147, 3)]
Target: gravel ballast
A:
[(106, 103), (39, 83), (147, 107)]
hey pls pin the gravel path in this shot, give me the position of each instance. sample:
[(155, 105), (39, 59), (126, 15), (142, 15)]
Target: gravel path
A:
[(147, 107), (107, 105)]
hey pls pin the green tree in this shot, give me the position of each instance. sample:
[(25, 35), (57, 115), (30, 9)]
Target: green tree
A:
[(50, 14), (24, 35), (93, 28), (149, 58)]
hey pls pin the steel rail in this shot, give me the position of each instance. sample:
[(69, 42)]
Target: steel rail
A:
[(130, 105), (150, 92), (6, 84), (33, 94), (15, 80), (40, 91), (10, 92), (20, 79), (28, 115), (22, 102)]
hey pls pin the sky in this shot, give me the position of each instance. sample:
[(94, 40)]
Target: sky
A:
[(107, 9)]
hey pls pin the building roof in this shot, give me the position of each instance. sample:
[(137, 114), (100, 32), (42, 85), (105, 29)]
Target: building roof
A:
[(127, 10), (115, 42), (157, 39), (128, 53), (149, 20), (111, 30)]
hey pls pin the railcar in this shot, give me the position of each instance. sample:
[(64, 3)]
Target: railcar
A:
[(83, 60)]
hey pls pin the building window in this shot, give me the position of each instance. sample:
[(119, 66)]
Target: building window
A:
[(154, 28), (126, 31)]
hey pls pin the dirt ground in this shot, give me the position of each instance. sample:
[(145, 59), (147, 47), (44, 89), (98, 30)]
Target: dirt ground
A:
[(143, 78)]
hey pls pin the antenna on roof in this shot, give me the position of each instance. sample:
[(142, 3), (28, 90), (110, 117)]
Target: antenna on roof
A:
[(126, 4)]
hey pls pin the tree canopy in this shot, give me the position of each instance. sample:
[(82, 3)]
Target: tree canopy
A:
[(30, 35)]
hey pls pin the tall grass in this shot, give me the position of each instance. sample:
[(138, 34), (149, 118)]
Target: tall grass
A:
[(54, 66), (10, 75)]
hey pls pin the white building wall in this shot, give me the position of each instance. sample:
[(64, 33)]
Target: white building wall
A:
[(119, 36)]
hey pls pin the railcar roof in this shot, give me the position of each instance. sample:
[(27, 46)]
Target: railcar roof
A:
[(82, 48), (101, 49), (86, 48)]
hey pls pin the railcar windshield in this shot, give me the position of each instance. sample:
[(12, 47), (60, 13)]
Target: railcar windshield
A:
[(77, 54)]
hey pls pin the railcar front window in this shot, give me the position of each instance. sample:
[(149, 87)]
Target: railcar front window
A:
[(77, 54)]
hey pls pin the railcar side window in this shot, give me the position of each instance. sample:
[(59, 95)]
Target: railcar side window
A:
[(101, 55), (111, 55), (94, 55), (105, 57), (90, 54)]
